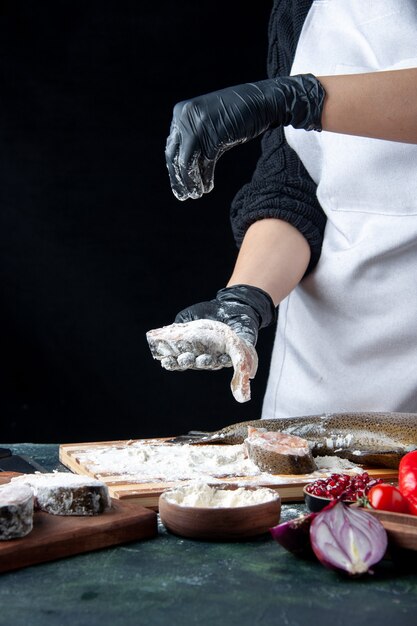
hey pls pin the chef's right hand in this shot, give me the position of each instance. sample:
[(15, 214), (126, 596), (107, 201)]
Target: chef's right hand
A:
[(244, 308)]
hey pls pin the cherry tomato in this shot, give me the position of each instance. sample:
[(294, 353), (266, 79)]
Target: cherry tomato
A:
[(386, 497), (407, 474)]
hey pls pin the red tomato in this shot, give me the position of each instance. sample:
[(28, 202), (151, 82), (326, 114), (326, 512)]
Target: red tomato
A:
[(407, 474), (386, 497), (412, 503)]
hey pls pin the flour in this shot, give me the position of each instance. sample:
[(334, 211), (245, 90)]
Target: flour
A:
[(206, 345), (336, 464), (50, 480), (147, 462), (206, 496)]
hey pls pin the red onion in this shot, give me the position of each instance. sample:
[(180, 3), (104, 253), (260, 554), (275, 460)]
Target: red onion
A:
[(294, 535), (347, 538)]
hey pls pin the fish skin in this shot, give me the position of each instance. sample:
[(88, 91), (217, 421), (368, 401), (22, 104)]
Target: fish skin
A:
[(368, 438)]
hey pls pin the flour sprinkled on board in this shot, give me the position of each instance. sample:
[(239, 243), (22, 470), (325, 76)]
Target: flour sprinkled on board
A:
[(146, 462), (335, 464), (143, 462)]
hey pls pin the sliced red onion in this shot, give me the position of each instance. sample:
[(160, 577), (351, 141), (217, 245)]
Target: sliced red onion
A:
[(294, 535), (348, 538)]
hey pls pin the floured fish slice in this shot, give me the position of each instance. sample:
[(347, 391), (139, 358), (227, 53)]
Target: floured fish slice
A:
[(209, 345), (279, 453), (63, 493), (16, 511)]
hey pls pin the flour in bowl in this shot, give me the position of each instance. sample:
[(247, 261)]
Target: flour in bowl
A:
[(206, 496)]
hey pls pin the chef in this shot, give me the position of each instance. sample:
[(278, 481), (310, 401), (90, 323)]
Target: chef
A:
[(327, 226)]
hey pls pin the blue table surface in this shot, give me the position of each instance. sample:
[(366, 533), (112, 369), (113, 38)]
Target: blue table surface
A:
[(169, 580)]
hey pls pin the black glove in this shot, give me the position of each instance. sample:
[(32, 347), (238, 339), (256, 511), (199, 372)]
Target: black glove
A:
[(203, 128), (244, 308)]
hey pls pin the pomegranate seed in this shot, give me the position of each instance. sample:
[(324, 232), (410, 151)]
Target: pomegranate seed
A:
[(350, 487)]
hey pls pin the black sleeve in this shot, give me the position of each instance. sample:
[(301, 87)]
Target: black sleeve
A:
[(281, 186)]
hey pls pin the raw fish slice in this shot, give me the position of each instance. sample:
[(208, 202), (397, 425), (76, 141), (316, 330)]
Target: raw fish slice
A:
[(205, 344), (279, 453)]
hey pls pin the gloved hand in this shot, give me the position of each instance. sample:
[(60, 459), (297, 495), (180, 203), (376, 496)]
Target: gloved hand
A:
[(244, 308), (203, 128)]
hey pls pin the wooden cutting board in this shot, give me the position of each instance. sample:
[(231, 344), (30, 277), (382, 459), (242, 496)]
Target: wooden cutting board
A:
[(55, 536), (290, 487), (401, 529)]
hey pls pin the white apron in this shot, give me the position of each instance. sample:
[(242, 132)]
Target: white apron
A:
[(347, 335)]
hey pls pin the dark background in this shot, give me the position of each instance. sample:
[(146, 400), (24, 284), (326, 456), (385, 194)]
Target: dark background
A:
[(94, 248)]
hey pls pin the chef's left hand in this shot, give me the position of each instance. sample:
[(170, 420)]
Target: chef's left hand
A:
[(203, 128)]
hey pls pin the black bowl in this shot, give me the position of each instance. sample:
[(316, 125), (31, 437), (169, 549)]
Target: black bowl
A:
[(317, 503)]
